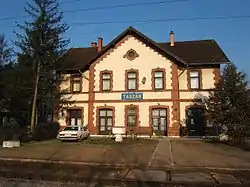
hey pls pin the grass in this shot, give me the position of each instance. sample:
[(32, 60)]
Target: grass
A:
[(93, 142), (100, 150), (112, 142)]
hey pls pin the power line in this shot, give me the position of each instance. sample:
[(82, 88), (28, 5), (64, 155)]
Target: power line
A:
[(156, 20), (69, 1), (161, 20), (102, 7), (124, 5)]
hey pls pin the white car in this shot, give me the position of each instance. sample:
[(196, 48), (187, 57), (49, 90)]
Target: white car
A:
[(74, 133)]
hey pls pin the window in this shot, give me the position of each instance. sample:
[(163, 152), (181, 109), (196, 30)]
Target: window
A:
[(105, 121), (106, 81), (76, 83), (131, 116), (75, 117), (194, 79), (158, 80), (131, 80)]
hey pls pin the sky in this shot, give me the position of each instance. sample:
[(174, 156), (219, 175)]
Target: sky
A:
[(231, 34)]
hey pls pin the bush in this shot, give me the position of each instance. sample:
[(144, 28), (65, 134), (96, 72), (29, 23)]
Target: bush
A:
[(46, 131), (10, 131)]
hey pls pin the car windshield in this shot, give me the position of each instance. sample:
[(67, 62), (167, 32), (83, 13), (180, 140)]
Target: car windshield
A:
[(71, 129)]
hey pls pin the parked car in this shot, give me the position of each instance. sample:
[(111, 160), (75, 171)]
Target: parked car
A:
[(74, 133)]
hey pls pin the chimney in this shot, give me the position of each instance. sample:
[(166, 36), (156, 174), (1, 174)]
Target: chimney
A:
[(94, 44), (99, 44), (171, 38)]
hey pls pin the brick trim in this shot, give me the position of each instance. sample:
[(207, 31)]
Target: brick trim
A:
[(97, 116), (174, 129), (217, 76), (92, 72), (163, 70), (136, 128), (166, 90), (159, 107), (139, 101), (92, 128), (126, 79), (189, 80), (101, 80)]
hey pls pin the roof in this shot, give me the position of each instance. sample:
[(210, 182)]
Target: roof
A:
[(198, 52), (77, 58)]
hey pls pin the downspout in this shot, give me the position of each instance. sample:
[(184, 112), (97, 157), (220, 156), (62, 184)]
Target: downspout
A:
[(82, 74)]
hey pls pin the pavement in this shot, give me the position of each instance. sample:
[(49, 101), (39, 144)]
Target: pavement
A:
[(133, 177), (183, 162)]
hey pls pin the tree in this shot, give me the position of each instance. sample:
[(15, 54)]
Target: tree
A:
[(5, 52), (43, 46), (229, 105), (5, 65)]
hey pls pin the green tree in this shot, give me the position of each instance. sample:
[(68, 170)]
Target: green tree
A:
[(229, 105), (42, 45), (5, 66)]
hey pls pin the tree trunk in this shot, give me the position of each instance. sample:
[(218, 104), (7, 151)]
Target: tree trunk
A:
[(33, 112)]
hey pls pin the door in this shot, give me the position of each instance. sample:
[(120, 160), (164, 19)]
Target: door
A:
[(195, 122), (159, 121), (75, 117), (105, 121)]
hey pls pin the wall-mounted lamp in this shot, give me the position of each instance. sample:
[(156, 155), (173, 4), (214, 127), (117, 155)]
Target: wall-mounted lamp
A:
[(143, 81)]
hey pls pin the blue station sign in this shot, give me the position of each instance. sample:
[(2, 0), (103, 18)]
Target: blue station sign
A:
[(132, 96)]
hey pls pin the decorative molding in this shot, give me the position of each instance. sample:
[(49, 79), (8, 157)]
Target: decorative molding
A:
[(131, 54)]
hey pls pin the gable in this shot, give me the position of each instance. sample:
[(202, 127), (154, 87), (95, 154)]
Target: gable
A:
[(145, 61), (185, 53)]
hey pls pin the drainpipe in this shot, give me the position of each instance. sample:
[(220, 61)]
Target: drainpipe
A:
[(84, 76)]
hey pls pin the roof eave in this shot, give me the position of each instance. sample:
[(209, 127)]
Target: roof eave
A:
[(207, 63)]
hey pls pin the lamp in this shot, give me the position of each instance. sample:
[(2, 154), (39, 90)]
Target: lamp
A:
[(143, 80)]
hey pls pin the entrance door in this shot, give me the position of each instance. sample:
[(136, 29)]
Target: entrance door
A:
[(105, 121), (159, 121), (75, 117), (195, 122)]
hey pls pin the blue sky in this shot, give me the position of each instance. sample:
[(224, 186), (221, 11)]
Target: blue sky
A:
[(231, 34)]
